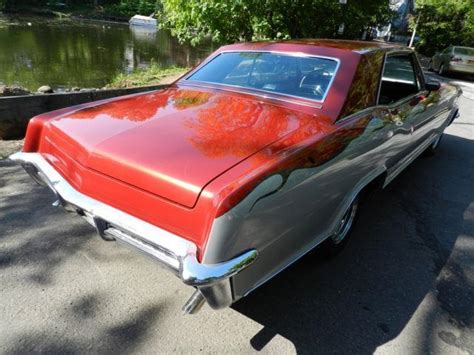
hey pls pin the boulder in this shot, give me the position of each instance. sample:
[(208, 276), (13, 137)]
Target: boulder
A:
[(13, 91), (45, 89)]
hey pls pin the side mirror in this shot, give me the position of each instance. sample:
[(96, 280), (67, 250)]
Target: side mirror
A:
[(432, 85)]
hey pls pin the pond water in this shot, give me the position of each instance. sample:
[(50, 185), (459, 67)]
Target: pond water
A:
[(67, 53)]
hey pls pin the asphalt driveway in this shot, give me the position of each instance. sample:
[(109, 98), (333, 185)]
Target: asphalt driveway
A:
[(404, 285)]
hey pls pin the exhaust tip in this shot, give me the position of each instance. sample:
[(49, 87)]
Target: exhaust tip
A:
[(194, 304), (34, 173)]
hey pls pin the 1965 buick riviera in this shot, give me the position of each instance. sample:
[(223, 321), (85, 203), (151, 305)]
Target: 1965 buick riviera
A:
[(248, 161)]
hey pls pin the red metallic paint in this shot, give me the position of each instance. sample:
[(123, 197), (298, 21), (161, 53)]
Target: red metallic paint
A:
[(180, 157)]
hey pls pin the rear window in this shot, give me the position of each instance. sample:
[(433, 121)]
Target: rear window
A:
[(464, 51), (301, 76)]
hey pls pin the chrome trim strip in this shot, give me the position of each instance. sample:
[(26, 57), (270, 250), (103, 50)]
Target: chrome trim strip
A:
[(250, 90), (175, 253)]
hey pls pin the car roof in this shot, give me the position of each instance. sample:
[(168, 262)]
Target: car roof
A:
[(345, 45)]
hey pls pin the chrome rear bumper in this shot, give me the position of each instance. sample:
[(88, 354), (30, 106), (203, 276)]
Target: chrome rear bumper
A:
[(175, 253)]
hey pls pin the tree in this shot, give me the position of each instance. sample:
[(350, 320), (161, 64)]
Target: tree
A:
[(119, 7), (443, 23), (234, 20)]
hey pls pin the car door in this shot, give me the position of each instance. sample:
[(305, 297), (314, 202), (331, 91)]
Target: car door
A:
[(430, 111), (438, 58), (445, 57), (400, 92)]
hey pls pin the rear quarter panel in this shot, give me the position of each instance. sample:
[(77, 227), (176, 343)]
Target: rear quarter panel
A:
[(303, 205)]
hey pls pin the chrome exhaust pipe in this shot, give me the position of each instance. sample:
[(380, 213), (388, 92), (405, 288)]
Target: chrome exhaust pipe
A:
[(194, 304), (34, 173)]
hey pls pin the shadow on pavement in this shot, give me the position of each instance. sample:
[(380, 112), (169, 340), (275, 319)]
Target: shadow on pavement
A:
[(46, 238), (122, 337), (352, 304), (366, 296)]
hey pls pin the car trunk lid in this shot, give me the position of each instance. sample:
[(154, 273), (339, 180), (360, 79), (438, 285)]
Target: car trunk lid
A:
[(171, 143)]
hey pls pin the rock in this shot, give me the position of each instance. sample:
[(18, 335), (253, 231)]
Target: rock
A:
[(45, 89), (13, 91), (76, 89)]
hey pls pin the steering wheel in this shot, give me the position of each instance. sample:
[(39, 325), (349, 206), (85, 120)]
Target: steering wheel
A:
[(313, 81)]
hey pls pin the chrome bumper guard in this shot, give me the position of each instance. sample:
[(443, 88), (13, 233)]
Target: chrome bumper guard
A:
[(175, 253), (454, 115)]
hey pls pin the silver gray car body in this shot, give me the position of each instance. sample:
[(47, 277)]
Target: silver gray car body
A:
[(303, 209), (454, 59)]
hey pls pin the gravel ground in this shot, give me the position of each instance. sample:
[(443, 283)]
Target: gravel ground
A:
[(404, 285)]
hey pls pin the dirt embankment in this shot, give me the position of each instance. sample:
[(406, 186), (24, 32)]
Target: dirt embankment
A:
[(9, 147)]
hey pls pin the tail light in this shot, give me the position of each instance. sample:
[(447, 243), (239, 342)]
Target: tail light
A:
[(456, 59)]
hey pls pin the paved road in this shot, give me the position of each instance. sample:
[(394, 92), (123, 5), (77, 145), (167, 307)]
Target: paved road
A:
[(404, 285)]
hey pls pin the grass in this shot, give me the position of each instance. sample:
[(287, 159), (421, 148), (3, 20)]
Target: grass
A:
[(154, 75)]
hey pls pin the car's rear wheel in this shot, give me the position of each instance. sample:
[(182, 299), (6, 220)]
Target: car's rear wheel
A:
[(336, 242)]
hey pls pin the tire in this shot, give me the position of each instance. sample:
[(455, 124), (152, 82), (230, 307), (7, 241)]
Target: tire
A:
[(336, 242), (431, 150)]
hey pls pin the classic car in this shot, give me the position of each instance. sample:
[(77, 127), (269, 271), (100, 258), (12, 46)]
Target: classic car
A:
[(453, 59), (247, 162)]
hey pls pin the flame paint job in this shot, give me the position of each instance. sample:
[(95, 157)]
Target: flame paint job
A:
[(181, 157)]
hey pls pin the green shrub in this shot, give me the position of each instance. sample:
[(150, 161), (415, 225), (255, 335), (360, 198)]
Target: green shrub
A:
[(133, 7), (443, 23)]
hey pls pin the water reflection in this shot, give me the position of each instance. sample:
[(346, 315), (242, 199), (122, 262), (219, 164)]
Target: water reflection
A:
[(144, 34), (139, 108), (64, 53)]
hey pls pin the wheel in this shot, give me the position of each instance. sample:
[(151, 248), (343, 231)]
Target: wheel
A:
[(336, 242), (442, 70), (431, 150)]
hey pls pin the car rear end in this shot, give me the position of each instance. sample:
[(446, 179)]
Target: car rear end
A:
[(462, 60), (57, 156)]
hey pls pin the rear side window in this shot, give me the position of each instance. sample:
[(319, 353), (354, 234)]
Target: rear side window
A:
[(464, 51), (399, 79)]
